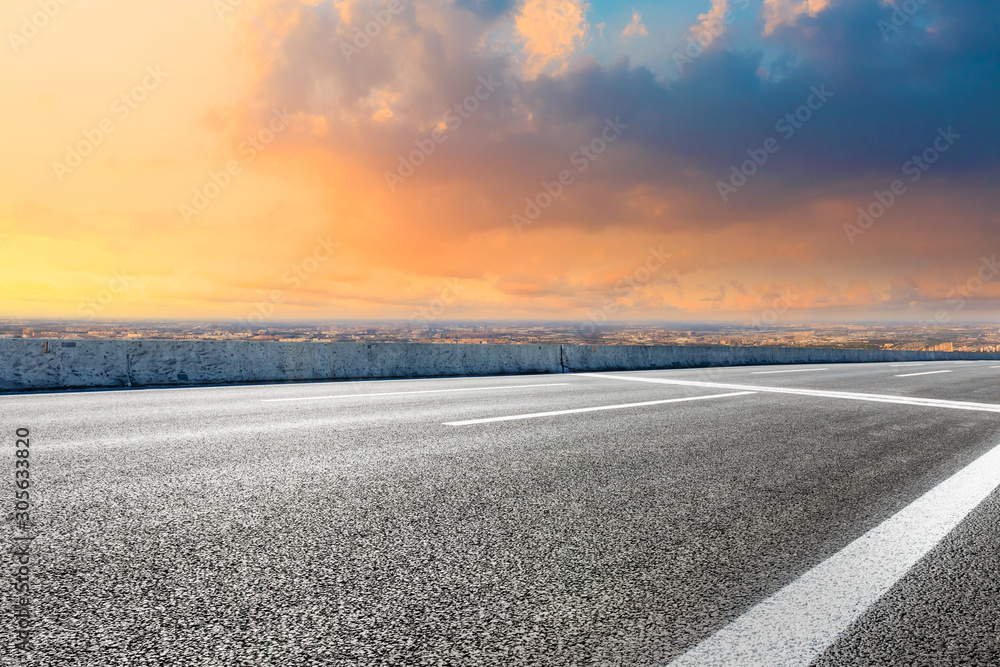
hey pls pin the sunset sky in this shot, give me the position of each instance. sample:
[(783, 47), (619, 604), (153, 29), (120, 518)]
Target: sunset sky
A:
[(211, 159)]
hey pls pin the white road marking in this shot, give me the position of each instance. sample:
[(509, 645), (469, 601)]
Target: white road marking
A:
[(622, 406), (799, 622), (404, 393), (256, 385), (910, 375), (874, 398), (796, 370), (910, 364)]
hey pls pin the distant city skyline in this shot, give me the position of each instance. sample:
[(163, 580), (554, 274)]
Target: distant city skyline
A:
[(950, 337)]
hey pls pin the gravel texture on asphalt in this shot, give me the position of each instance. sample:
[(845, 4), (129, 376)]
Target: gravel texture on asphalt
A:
[(206, 527), (946, 611)]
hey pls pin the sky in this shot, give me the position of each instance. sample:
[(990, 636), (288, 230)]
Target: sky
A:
[(595, 161)]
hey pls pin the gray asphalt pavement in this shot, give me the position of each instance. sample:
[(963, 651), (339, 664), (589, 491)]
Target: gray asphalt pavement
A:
[(385, 523)]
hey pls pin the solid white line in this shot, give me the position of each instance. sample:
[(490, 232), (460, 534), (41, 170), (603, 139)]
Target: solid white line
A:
[(799, 622), (262, 384), (910, 375), (874, 398), (404, 393), (622, 406), (796, 370)]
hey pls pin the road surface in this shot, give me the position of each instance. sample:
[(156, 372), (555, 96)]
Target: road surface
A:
[(835, 515)]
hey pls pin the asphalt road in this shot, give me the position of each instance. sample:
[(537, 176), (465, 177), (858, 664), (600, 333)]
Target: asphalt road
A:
[(505, 521)]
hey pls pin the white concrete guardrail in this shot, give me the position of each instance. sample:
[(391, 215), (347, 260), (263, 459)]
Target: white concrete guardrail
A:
[(37, 364)]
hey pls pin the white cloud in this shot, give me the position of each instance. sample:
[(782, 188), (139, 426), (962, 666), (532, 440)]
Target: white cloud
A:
[(636, 27), (786, 12), (551, 31), (711, 24)]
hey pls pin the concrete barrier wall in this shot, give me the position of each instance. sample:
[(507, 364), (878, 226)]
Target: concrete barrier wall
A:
[(37, 364), (577, 358), (53, 364), (27, 364)]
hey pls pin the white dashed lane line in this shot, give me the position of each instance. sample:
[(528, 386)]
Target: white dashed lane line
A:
[(622, 406), (794, 370), (407, 393), (910, 375)]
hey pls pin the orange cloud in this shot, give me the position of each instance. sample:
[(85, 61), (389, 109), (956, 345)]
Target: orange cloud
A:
[(320, 180), (786, 12), (636, 27), (551, 32), (711, 24)]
